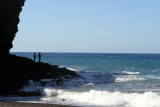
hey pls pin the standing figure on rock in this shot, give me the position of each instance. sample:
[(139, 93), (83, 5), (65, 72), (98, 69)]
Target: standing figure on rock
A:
[(34, 56), (39, 56)]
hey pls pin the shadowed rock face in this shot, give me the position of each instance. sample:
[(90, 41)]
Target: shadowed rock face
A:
[(9, 19)]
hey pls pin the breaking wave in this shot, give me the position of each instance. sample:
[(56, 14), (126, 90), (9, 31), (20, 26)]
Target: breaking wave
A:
[(102, 98)]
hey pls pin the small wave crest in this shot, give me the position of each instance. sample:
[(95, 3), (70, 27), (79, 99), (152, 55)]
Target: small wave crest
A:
[(130, 73), (72, 69), (128, 78)]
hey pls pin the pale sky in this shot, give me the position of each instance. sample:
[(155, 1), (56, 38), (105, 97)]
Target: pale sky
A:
[(103, 26)]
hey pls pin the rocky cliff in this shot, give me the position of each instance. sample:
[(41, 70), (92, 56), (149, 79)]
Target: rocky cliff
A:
[(9, 19)]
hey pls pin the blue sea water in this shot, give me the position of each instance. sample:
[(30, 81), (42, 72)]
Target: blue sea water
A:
[(114, 80)]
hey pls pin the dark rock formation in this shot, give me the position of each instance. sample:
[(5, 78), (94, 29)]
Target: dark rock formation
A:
[(16, 71), (9, 19), (20, 70)]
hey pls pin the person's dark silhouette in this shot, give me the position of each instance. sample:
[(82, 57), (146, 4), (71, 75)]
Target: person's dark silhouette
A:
[(34, 57), (39, 56)]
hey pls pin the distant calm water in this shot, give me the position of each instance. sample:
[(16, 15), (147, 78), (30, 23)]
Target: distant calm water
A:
[(116, 80)]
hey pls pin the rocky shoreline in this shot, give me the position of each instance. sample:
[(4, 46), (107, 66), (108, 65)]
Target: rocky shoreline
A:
[(20, 70)]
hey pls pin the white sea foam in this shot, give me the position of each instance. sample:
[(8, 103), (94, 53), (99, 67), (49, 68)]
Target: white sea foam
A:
[(127, 78), (102, 98), (76, 68), (130, 73), (88, 85), (72, 69)]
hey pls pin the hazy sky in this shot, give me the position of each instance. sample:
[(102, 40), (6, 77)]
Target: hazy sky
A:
[(111, 26)]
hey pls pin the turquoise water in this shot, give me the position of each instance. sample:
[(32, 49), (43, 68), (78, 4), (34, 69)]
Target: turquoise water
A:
[(128, 79)]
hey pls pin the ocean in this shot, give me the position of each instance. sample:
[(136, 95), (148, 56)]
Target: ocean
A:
[(112, 80)]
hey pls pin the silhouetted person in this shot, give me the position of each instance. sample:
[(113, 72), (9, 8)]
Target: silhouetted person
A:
[(39, 56), (34, 57)]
